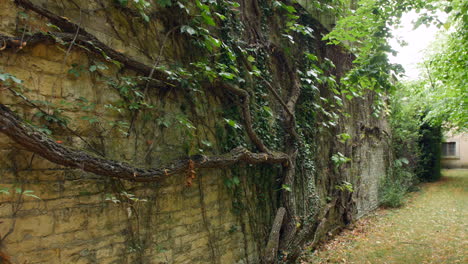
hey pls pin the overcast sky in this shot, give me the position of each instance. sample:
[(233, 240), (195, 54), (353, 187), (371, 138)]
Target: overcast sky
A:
[(418, 40)]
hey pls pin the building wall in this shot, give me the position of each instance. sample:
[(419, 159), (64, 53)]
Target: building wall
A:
[(460, 160)]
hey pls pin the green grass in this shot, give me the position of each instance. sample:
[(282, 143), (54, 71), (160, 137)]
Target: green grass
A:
[(430, 228)]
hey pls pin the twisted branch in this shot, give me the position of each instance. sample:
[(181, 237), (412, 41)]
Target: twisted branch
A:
[(39, 143)]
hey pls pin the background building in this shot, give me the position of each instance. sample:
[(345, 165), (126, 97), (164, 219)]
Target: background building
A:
[(455, 151)]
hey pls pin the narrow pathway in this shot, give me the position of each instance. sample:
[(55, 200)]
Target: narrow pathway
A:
[(431, 228)]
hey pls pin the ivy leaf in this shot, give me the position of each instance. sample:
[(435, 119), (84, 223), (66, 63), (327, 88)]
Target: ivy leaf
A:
[(164, 3), (54, 27), (7, 76), (208, 19), (222, 17), (214, 41), (232, 123), (3, 77), (276, 4), (206, 143), (311, 56), (234, 4), (288, 8), (289, 37), (123, 3), (145, 17), (91, 120), (227, 75), (4, 191), (92, 68), (188, 29), (236, 180), (268, 110), (32, 195), (286, 187)]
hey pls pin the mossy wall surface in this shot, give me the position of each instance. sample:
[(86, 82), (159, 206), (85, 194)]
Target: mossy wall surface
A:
[(210, 221)]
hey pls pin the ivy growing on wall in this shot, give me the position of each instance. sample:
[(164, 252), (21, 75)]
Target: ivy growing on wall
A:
[(278, 84)]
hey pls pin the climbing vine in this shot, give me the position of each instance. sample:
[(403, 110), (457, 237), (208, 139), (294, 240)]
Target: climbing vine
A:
[(277, 84)]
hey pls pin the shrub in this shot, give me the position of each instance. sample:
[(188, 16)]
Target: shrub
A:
[(430, 144), (393, 196), (400, 180)]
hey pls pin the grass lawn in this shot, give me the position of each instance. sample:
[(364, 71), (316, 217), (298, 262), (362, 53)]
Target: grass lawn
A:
[(430, 228)]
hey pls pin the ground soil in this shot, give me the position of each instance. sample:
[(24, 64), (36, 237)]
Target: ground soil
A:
[(430, 228)]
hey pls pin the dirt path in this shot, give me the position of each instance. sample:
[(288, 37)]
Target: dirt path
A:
[(431, 228)]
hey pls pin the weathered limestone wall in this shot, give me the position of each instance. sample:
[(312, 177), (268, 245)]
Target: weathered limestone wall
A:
[(75, 222), (371, 157)]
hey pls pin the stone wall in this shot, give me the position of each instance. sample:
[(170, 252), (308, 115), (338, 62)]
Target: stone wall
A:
[(76, 220), (72, 222)]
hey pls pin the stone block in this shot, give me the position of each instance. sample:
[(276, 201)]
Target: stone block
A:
[(47, 52), (30, 225), (70, 219), (78, 87), (43, 66), (51, 256)]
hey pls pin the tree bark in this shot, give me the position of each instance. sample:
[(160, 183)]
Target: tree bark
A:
[(271, 251), (39, 143)]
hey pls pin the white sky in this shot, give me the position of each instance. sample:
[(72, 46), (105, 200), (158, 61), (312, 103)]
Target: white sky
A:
[(418, 40)]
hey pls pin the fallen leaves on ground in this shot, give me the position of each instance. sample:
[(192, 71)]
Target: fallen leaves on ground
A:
[(431, 228)]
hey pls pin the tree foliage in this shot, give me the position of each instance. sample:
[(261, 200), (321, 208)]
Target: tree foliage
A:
[(444, 84)]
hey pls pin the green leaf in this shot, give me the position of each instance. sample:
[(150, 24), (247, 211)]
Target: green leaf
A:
[(447, 25), (289, 9), (232, 123), (164, 3), (33, 196), (54, 27), (4, 190), (145, 17), (236, 180), (206, 143), (3, 77), (234, 4), (92, 68), (227, 75), (188, 29), (214, 41), (23, 15), (311, 56), (286, 187), (7, 76), (343, 137), (222, 17), (208, 19), (268, 110), (123, 3)]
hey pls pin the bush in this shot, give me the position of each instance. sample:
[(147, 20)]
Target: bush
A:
[(430, 144), (398, 182), (393, 196)]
